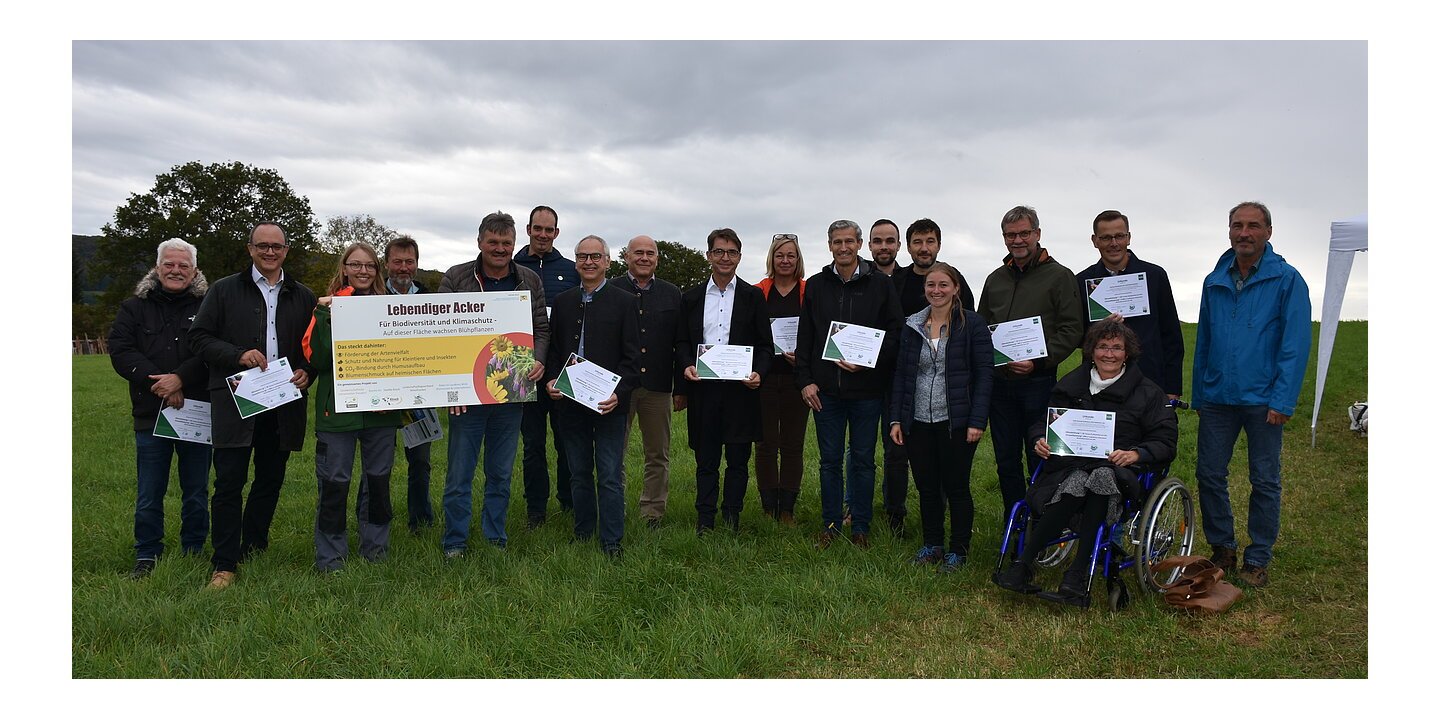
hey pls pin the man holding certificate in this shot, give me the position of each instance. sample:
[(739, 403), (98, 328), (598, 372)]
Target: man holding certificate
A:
[(1122, 285), (727, 316), (148, 348), (251, 320), (1029, 285), (595, 344), (844, 356)]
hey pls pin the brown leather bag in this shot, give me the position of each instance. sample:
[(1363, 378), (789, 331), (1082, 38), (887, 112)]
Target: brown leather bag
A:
[(1199, 587)]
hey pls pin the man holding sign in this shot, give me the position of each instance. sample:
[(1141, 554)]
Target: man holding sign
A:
[(147, 348), (1150, 311), (850, 310), (595, 325), (250, 320), (1029, 284), (727, 315)]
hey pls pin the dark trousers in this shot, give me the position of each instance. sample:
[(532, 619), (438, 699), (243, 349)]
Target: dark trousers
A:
[(1016, 405), (1061, 514), (417, 496), (239, 525), (896, 484), (596, 445), (707, 479), (536, 463), (942, 461), (780, 457)]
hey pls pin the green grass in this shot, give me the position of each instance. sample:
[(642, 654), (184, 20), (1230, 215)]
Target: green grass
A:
[(761, 604)]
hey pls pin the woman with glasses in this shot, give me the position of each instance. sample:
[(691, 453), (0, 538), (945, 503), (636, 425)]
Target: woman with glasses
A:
[(939, 401), (779, 457), (337, 434), (1093, 488)]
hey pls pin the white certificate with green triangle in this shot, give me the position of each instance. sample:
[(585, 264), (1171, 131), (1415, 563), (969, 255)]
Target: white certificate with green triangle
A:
[(1127, 295), (855, 344), (1082, 433), (586, 382), (190, 423), (724, 362), (256, 390), (1018, 340)]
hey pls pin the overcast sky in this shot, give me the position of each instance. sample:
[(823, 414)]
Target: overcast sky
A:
[(673, 139)]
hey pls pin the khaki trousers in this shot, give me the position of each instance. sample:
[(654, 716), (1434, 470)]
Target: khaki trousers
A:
[(654, 410)]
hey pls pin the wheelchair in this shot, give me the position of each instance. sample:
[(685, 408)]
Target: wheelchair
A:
[(1161, 526)]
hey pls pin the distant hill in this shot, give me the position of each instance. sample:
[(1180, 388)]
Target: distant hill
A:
[(83, 288)]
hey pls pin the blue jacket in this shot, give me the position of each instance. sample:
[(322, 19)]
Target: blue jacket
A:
[(968, 376), (1252, 346), (557, 272)]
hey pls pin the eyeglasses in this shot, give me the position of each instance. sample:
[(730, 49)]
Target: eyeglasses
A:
[(726, 253), (269, 248), (1023, 234), (1110, 348), (1120, 237), (589, 257), (358, 266), (786, 236)]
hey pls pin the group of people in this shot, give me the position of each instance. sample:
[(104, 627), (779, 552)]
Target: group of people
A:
[(931, 393)]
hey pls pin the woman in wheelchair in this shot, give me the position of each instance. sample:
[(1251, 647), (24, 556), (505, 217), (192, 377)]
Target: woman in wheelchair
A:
[(1094, 488)]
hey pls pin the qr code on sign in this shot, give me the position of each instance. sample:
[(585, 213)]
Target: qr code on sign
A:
[(452, 396)]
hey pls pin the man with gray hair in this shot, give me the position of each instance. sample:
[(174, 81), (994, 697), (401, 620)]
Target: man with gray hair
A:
[(844, 395), (657, 304), (599, 323), (402, 261), (495, 426), (1028, 283), (148, 348)]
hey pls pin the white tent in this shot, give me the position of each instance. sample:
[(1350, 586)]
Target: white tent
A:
[(1347, 237)]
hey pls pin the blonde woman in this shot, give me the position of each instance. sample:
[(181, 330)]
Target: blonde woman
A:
[(779, 457)]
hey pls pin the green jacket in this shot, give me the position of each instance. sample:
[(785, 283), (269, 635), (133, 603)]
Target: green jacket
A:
[(319, 351), (1047, 289)]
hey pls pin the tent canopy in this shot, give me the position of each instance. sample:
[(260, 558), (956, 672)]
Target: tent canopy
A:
[(1347, 237)]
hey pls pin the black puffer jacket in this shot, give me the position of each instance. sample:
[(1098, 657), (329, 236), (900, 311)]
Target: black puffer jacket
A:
[(148, 338), (1143, 423)]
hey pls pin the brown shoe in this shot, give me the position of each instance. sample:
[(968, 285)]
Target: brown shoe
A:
[(1254, 576), (1224, 558), (827, 538), (221, 579), (787, 518), (860, 539)]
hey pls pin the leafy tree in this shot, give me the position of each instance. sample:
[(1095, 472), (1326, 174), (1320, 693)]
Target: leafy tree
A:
[(343, 230), (683, 266), (211, 206)]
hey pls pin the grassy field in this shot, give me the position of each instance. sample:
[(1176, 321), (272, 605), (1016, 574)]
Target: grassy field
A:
[(760, 604)]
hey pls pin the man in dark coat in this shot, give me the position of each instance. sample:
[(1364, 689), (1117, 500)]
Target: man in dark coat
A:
[(402, 260), (148, 348), (596, 321), (249, 320), (1163, 356), (844, 395), (724, 414)]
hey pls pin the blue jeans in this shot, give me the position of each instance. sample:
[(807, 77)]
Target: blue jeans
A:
[(152, 478), (863, 419), (1220, 427), (1016, 404), (417, 494), (595, 451), (497, 427)]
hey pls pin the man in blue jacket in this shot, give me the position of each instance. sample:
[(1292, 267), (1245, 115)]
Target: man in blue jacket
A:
[(1251, 348), (557, 273)]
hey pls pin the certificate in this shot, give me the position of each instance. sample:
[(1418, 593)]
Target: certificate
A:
[(421, 426), (256, 390), (190, 423), (586, 382), (784, 331), (1083, 433), (396, 352), (723, 362), (1022, 339), (855, 344), (1128, 295)]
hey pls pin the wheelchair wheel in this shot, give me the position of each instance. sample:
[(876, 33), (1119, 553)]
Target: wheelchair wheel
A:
[(1052, 555), (1117, 594), (1167, 528)]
